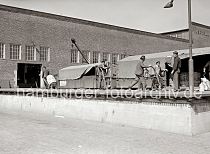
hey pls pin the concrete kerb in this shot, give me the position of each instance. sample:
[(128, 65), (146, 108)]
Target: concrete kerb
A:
[(175, 118)]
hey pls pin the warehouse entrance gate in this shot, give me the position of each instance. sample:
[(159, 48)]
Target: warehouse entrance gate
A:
[(28, 75)]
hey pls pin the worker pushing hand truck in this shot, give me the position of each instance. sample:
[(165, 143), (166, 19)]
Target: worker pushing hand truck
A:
[(156, 76)]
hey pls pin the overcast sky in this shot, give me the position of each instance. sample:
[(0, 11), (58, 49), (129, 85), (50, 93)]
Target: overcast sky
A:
[(146, 15)]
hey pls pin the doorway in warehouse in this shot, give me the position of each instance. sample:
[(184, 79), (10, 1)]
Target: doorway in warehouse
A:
[(28, 75)]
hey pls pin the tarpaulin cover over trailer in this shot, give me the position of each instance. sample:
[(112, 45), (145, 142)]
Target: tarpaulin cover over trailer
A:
[(75, 72), (127, 66)]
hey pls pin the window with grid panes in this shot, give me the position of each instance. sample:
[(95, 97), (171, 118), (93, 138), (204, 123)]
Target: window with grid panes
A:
[(114, 58), (15, 52), (30, 53), (105, 56), (86, 55), (43, 53), (2, 51), (95, 56), (74, 56)]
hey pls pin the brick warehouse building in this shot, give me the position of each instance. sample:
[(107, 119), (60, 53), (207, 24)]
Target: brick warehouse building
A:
[(201, 35), (30, 39)]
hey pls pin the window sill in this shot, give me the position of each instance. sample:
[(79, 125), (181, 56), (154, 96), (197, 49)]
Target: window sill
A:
[(15, 59), (30, 60)]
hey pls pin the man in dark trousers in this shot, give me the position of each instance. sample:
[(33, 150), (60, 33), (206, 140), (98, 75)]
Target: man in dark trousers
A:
[(140, 74), (103, 69), (207, 68), (176, 70)]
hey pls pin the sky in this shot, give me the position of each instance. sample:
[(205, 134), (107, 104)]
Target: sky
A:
[(145, 15)]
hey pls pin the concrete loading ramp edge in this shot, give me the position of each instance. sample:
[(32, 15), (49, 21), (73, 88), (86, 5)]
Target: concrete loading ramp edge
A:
[(175, 118)]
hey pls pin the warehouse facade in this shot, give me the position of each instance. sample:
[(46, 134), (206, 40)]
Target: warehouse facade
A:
[(200, 34), (30, 39)]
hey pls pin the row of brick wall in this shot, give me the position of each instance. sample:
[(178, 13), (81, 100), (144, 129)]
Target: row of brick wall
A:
[(19, 28)]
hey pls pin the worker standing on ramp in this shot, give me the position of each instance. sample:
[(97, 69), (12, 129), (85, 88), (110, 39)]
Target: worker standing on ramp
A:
[(140, 74), (45, 73)]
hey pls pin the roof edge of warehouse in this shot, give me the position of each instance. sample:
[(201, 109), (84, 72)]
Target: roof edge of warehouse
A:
[(175, 31), (186, 30), (82, 21)]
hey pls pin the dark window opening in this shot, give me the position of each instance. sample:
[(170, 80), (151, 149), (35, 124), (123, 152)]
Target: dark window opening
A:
[(28, 75)]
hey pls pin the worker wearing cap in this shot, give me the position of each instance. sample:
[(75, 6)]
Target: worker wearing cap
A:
[(176, 70), (140, 74), (207, 68), (103, 69)]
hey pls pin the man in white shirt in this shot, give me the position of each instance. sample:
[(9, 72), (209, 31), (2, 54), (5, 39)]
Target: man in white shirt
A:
[(51, 81), (207, 68)]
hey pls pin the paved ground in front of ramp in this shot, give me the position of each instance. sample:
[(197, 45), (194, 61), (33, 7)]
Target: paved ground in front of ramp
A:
[(28, 133)]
